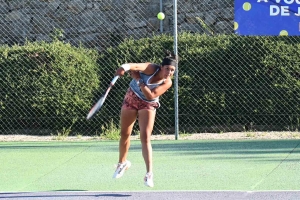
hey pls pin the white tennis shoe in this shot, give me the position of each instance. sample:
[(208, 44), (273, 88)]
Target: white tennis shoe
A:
[(149, 180), (121, 168)]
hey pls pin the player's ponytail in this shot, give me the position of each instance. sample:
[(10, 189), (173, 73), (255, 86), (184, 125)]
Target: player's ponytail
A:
[(169, 59)]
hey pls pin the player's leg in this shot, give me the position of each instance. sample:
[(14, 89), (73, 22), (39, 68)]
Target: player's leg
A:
[(146, 121), (128, 117)]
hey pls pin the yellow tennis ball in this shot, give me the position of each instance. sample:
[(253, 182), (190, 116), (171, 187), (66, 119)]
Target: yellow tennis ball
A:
[(236, 25), (247, 6), (160, 15), (284, 33)]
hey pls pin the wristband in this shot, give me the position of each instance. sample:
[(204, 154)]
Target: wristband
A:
[(126, 67)]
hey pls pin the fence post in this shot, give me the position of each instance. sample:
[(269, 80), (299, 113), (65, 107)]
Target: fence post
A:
[(176, 73), (161, 21)]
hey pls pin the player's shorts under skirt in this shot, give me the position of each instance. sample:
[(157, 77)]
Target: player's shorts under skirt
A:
[(133, 102)]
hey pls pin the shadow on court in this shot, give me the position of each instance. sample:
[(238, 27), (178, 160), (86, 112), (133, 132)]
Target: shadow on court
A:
[(225, 146), (240, 148), (62, 195), (174, 195)]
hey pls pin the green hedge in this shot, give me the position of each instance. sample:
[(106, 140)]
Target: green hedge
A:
[(46, 85), (225, 79)]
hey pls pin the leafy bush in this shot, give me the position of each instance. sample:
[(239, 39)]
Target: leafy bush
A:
[(46, 85), (224, 80)]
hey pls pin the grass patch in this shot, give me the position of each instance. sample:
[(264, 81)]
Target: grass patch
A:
[(250, 134), (184, 134), (110, 131)]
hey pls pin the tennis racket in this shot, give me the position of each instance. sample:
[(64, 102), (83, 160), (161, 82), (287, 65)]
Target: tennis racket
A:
[(100, 102)]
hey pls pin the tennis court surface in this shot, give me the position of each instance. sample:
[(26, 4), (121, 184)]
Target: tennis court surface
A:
[(183, 169)]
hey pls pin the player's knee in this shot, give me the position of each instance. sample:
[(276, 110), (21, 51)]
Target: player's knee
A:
[(146, 138), (125, 134)]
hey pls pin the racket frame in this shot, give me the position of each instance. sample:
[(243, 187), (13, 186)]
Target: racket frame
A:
[(100, 102)]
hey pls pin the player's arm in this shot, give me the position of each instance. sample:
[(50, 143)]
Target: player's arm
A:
[(146, 68), (158, 91)]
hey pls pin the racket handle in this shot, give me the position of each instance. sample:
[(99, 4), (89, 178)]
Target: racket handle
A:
[(114, 80)]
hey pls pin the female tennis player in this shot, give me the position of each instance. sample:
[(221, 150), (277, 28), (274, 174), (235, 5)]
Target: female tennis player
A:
[(149, 81)]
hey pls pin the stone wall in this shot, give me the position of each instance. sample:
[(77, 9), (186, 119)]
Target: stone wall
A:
[(102, 23)]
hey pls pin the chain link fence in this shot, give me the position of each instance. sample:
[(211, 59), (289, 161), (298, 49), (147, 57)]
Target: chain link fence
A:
[(100, 24)]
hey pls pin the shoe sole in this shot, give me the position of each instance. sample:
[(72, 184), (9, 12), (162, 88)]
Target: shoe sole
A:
[(148, 185)]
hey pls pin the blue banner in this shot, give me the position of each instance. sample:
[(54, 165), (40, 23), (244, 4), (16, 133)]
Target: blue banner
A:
[(267, 17)]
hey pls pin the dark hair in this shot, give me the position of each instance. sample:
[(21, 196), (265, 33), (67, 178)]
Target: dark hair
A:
[(169, 59)]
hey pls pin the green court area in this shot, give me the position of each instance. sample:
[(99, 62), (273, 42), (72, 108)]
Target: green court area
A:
[(242, 165)]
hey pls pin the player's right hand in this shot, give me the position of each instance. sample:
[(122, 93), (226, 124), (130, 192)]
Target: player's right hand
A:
[(120, 72)]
